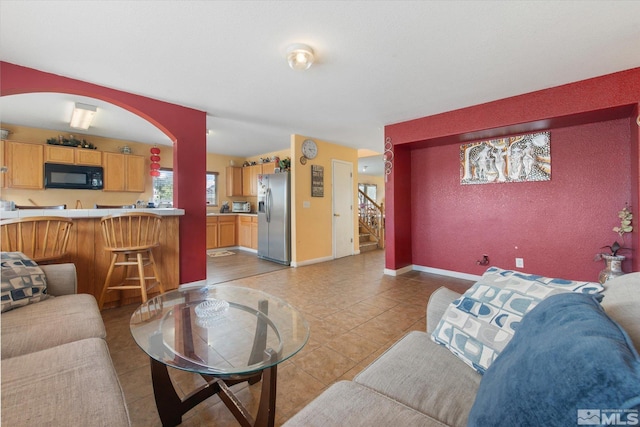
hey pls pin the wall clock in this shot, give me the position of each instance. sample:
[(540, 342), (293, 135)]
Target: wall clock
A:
[(309, 149)]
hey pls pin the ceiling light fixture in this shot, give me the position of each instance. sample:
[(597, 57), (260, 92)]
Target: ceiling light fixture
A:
[(82, 116), (300, 56)]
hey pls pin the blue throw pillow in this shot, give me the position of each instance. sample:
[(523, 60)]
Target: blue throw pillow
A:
[(477, 326), (567, 364)]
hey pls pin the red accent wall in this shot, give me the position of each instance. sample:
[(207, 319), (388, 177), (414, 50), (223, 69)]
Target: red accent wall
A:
[(186, 127), (556, 226), (595, 160)]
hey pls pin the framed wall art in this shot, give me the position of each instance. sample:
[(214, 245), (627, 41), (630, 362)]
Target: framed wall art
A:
[(515, 159), (317, 181)]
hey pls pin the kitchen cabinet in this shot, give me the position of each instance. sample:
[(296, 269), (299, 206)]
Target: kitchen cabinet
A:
[(254, 233), (226, 231), (25, 165), (123, 172), (72, 156), (244, 231), (268, 168), (221, 231), (234, 181), (212, 232), (248, 231), (250, 180)]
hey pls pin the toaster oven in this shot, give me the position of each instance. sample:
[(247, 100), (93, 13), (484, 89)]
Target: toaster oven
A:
[(241, 207)]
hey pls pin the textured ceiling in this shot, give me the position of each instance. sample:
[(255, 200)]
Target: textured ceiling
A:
[(378, 62)]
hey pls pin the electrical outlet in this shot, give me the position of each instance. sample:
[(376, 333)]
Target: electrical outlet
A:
[(519, 262)]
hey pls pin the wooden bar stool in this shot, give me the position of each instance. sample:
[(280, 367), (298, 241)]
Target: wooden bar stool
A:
[(131, 236), (41, 238)]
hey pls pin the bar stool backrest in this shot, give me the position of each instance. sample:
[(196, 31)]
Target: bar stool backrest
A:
[(41, 238), (131, 231)]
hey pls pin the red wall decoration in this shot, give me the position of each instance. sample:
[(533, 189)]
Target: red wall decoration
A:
[(154, 166)]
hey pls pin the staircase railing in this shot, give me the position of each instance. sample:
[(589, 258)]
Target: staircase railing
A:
[(371, 217)]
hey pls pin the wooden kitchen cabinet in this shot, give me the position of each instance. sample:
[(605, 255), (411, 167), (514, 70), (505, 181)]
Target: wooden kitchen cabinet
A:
[(248, 231), (123, 172), (212, 232), (88, 157), (72, 156), (226, 231), (25, 165), (268, 168), (234, 181), (244, 231), (250, 180), (221, 231), (254, 233)]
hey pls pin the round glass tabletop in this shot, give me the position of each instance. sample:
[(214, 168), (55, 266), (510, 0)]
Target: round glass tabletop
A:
[(219, 329)]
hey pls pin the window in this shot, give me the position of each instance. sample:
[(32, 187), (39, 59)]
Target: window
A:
[(370, 190), (163, 188)]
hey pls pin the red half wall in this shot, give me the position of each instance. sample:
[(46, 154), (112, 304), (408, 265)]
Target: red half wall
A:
[(186, 127)]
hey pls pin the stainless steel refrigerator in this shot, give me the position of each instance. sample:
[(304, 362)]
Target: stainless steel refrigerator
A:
[(274, 218)]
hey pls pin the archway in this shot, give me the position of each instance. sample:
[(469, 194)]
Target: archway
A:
[(186, 127)]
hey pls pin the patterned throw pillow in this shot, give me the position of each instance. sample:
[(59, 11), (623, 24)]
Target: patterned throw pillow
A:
[(477, 326), (23, 282)]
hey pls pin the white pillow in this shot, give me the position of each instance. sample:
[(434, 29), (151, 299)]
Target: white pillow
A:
[(477, 326)]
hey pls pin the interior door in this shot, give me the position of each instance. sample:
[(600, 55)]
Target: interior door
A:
[(343, 216)]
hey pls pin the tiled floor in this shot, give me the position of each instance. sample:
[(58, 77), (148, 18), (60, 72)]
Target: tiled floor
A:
[(355, 313)]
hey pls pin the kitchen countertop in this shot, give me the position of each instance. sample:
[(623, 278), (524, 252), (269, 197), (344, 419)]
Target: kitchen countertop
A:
[(85, 213)]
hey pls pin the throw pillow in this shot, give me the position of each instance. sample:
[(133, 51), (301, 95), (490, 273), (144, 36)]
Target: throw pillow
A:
[(477, 326), (568, 364), (23, 282)]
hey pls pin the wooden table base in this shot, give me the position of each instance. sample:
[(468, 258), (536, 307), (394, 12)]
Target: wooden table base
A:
[(171, 407)]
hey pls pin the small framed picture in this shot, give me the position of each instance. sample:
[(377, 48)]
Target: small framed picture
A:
[(317, 181)]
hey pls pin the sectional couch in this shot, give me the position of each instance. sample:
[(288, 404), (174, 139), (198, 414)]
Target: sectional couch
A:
[(56, 367), (418, 382)]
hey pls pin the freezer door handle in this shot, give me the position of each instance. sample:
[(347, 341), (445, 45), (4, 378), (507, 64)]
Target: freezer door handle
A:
[(268, 203)]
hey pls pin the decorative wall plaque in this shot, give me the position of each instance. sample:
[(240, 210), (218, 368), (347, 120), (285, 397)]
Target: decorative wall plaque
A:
[(317, 181), (515, 159)]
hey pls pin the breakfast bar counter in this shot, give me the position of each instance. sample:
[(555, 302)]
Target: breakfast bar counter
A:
[(86, 249)]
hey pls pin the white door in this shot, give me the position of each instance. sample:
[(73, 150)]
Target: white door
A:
[(343, 216)]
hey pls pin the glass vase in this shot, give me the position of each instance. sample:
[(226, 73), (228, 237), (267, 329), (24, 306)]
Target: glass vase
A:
[(613, 268)]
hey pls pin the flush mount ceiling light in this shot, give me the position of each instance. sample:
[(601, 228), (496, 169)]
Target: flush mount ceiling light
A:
[(300, 56), (82, 116)]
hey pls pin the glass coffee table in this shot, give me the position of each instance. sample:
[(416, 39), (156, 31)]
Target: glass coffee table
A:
[(228, 335)]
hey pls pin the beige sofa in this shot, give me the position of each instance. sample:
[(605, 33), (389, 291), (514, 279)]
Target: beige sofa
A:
[(417, 382), (56, 367)]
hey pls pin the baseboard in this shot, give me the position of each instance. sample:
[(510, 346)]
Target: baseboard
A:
[(448, 273), (431, 270), (196, 284), (399, 271), (311, 261), (245, 249)]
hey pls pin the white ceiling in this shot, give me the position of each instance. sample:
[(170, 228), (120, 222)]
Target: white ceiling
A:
[(378, 62)]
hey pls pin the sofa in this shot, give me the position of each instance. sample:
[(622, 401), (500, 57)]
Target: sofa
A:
[(418, 382), (56, 367)]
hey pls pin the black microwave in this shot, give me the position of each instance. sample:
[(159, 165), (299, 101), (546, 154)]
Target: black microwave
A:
[(73, 176)]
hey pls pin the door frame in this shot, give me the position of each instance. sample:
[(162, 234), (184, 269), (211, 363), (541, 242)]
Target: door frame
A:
[(333, 206)]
